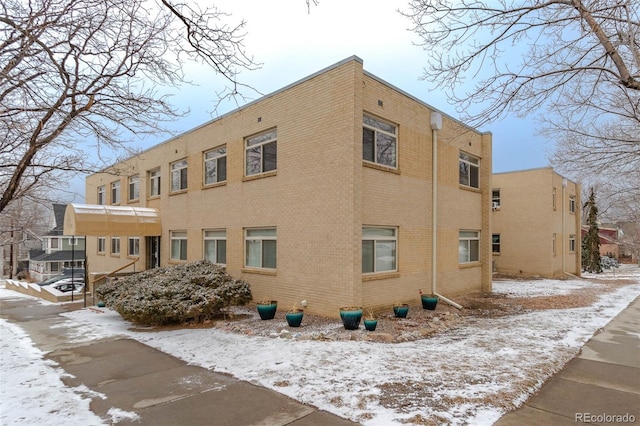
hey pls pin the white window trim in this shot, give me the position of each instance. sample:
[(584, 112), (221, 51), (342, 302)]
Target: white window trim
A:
[(102, 240), (216, 154), (470, 164), (115, 241), (248, 145), (116, 195), (155, 176), (375, 129), (260, 238), (136, 242), (215, 238), (382, 238), (469, 239), (102, 195), (177, 167), (135, 182), (178, 235)]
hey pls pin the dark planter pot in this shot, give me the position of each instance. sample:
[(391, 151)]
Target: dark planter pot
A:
[(401, 311), (101, 305), (294, 319), (370, 324), (267, 310), (351, 318), (429, 302)]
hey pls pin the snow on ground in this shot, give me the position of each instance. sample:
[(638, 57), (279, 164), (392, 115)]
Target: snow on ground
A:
[(470, 375)]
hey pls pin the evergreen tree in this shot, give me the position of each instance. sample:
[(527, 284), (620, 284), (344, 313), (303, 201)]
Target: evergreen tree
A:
[(591, 240)]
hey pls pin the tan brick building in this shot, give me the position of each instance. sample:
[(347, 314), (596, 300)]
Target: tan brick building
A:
[(536, 224), (321, 191)]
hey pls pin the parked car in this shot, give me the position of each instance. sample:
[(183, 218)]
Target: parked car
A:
[(69, 284), (53, 280), (66, 273)]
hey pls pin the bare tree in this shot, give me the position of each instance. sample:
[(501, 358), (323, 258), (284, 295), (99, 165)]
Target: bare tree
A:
[(575, 63), (82, 75)]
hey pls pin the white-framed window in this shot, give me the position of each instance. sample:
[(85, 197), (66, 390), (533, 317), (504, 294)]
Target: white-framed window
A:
[(572, 242), (469, 170), (133, 246), (572, 203), (215, 165), (215, 246), (379, 141), (178, 245), (115, 245), (115, 192), (134, 187), (379, 249), (261, 153), (54, 243), (260, 248), (495, 243), (553, 243), (73, 241), (495, 199), (469, 246), (102, 195), (179, 176), (102, 245), (154, 182)]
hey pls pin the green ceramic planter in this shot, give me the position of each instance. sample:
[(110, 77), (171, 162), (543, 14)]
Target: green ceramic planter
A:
[(370, 324), (429, 302), (267, 310), (351, 317), (401, 311), (294, 319)]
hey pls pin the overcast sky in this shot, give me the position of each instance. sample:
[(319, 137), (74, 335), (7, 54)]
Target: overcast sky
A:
[(291, 44)]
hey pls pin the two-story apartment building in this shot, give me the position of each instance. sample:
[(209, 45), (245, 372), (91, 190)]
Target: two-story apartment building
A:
[(59, 251), (536, 224), (322, 191)]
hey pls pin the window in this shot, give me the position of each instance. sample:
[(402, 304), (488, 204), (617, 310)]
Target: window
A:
[(115, 245), (215, 165), (73, 241), (572, 242), (115, 192), (553, 243), (495, 243), (102, 244), (102, 200), (379, 249), (260, 248), (55, 243), (379, 141), (469, 170), (553, 200), (178, 245), (134, 246), (134, 187), (261, 153), (154, 183), (495, 199), (179, 176), (215, 246), (469, 246), (572, 203)]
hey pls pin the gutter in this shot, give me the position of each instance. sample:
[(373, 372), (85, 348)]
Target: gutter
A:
[(436, 124)]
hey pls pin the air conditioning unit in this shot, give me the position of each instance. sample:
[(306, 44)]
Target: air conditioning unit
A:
[(495, 205)]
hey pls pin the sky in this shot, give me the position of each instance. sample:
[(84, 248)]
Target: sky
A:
[(291, 43), (482, 368)]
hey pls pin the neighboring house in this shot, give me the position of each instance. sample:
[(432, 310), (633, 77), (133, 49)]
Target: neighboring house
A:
[(536, 224), (321, 191), (611, 241), (15, 247), (58, 251)]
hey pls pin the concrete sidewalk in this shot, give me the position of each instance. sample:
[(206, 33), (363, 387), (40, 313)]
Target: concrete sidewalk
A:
[(601, 385), (159, 388)]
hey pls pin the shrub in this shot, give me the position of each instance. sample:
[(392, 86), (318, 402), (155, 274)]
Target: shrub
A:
[(193, 292)]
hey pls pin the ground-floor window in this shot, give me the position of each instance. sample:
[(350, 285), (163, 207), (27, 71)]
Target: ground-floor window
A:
[(115, 245), (134, 246), (260, 248), (572, 242), (178, 245), (469, 246), (379, 249), (102, 244), (495, 243), (215, 246)]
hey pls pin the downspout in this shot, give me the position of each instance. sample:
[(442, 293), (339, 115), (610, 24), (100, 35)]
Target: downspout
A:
[(564, 187), (436, 124)]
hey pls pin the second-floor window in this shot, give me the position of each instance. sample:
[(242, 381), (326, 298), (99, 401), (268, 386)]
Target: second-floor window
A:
[(469, 170), (572, 203), (102, 244), (179, 176), (134, 187), (379, 141), (215, 165), (115, 192), (102, 195), (261, 153), (495, 199), (154, 182)]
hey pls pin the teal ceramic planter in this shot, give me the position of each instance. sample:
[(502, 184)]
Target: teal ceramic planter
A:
[(294, 319), (351, 317), (370, 324), (267, 310), (401, 311), (429, 302)]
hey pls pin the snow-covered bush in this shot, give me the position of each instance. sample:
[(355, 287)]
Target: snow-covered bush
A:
[(192, 292), (607, 262)]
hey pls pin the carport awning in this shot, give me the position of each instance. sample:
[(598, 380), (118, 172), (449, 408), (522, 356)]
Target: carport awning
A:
[(100, 220)]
